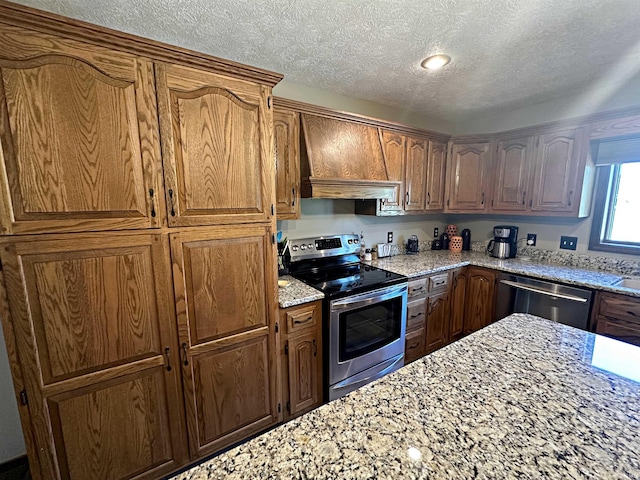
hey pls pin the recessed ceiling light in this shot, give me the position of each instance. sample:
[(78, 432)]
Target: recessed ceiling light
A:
[(435, 62)]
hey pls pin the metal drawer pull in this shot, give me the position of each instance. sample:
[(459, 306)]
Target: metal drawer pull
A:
[(315, 348), (166, 353), (633, 314), (416, 315), (186, 356), (544, 292), (300, 322)]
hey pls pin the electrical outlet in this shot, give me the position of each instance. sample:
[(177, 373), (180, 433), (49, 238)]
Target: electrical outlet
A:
[(435, 232), (531, 239), (389, 237), (568, 243)]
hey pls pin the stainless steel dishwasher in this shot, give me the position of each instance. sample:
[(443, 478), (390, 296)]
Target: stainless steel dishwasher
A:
[(557, 302)]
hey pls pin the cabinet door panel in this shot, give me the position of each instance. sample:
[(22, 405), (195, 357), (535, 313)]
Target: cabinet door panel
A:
[(469, 168), (479, 299), (458, 295), (393, 149), (437, 332), (217, 148), (416, 174), (224, 282), (286, 133), (304, 390), (513, 164), (80, 142), (436, 175), (96, 333), (559, 160)]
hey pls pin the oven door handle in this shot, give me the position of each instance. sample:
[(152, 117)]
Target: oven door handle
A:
[(352, 384), (365, 299), (541, 291)]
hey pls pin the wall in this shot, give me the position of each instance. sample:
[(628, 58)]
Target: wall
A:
[(11, 441), (335, 101), (328, 217), (603, 98)]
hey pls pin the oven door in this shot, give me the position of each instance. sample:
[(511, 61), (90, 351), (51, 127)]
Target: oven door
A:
[(366, 330)]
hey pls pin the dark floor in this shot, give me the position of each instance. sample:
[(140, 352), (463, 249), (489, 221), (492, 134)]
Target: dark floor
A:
[(17, 469)]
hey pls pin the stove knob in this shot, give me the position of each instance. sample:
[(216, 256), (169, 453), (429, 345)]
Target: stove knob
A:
[(294, 248), (303, 247), (310, 245), (355, 240), (350, 241)]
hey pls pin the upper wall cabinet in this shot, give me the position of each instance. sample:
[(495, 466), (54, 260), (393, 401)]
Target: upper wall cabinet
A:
[(416, 174), (393, 150), (514, 160), (436, 175), (217, 147), (560, 165), (286, 134), (79, 137), (468, 176)]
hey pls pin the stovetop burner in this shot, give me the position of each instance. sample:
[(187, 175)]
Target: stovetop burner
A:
[(335, 270)]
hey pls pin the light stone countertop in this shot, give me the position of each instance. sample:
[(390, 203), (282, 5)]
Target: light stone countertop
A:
[(428, 262), (522, 398), (296, 293)]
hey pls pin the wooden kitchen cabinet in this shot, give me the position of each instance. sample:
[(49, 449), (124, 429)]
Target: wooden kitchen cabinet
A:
[(438, 320), (416, 319), (216, 146), (513, 172), (414, 345), (394, 151), (80, 147), (480, 299), (286, 135), (93, 318), (560, 167), (617, 316), (459, 280), (469, 168), (301, 358), (416, 174), (436, 170), (226, 309)]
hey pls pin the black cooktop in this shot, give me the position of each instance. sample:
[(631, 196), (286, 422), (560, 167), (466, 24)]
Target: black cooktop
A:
[(342, 280)]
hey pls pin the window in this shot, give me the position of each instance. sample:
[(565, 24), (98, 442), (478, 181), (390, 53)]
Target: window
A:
[(616, 221)]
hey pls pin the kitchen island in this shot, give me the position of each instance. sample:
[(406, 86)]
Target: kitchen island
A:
[(521, 398)]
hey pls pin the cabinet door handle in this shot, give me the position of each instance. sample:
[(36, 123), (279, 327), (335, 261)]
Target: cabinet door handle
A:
[(166, 354), (186, 355), (428, 198), (524, 195), (455, 282), (570, 195), (293, 197), (482, 202), (315, 348), (407, 202), (153, 203), (173, 212)]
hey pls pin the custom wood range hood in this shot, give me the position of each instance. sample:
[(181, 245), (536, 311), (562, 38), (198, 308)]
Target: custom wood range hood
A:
[(342, 160)]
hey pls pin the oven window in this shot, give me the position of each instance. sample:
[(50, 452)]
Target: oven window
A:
[(369, 328)]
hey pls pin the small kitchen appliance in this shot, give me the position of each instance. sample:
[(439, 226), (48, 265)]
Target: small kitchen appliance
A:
[(504, 243), (466, 239), (412, 245)]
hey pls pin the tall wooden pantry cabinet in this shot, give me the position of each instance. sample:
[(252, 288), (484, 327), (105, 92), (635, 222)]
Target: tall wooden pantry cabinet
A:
[(139, 299)]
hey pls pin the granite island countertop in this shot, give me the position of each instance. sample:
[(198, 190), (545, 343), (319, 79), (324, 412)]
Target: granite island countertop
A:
[(522, 398), (428, 262)]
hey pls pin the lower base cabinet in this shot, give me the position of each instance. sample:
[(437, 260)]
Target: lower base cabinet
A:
[(458, 295), (617, 316), (301, 354), (480, 299), (437, 333)]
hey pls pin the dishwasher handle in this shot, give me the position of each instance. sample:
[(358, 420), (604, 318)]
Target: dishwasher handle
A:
[(541, 291)]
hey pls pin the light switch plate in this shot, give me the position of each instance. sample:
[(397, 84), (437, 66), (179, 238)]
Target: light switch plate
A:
[(389, 237)]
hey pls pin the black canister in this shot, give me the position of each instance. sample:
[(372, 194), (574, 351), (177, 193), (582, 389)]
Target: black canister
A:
[(444, 238), (466, 239)]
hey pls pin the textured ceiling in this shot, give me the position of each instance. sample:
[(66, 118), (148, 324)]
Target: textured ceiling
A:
[(506, 53)]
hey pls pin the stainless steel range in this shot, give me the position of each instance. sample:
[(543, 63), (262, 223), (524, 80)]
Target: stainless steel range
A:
[(364, 311)]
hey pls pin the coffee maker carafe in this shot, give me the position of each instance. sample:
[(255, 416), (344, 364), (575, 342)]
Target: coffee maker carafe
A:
[(504, 243)]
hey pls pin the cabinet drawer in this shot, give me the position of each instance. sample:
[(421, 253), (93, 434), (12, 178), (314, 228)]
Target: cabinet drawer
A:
[(414, 346), (416, 314), (438, 282), (301, 318), (620, 329), (619, 306), (418, 287)]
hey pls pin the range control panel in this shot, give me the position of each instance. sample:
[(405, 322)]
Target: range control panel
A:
[(316, 247)]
